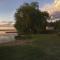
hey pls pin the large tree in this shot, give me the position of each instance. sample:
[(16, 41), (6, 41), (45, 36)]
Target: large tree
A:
[(29, 19)]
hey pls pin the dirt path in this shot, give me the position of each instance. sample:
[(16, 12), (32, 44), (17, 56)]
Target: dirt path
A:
[(17, 42)]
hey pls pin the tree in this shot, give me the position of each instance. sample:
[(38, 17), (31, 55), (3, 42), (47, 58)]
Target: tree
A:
[(35, 5), (57, 26), (29, 19)]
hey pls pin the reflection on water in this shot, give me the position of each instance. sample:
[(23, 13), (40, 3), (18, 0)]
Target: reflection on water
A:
[(7, 37)]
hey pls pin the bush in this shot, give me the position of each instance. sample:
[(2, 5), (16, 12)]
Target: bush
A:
[(23, 37)]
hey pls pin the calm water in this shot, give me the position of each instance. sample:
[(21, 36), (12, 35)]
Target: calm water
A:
[(7, 37)]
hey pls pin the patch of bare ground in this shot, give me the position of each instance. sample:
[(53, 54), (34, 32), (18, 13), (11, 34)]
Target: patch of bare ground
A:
[(17, 42)]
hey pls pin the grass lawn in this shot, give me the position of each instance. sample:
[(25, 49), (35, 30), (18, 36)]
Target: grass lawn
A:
[(44, 47)]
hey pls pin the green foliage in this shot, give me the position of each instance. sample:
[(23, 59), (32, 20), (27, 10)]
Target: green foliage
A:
[(29, 19), (57, 26)]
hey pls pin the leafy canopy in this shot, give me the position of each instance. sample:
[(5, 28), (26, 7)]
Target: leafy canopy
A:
[(29, 19)]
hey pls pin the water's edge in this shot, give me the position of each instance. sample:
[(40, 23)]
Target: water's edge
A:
[(7, 37)]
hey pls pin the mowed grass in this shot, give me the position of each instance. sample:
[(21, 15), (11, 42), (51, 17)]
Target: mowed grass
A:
[(21, 53), (43, 47), (50, 44)]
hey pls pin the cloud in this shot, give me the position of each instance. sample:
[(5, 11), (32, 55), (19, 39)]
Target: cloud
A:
[(51, 8)]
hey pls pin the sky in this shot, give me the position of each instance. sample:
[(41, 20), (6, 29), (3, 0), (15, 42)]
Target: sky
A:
[(8, 7)]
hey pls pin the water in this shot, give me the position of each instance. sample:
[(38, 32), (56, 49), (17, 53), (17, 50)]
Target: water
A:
[(7, 37)]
